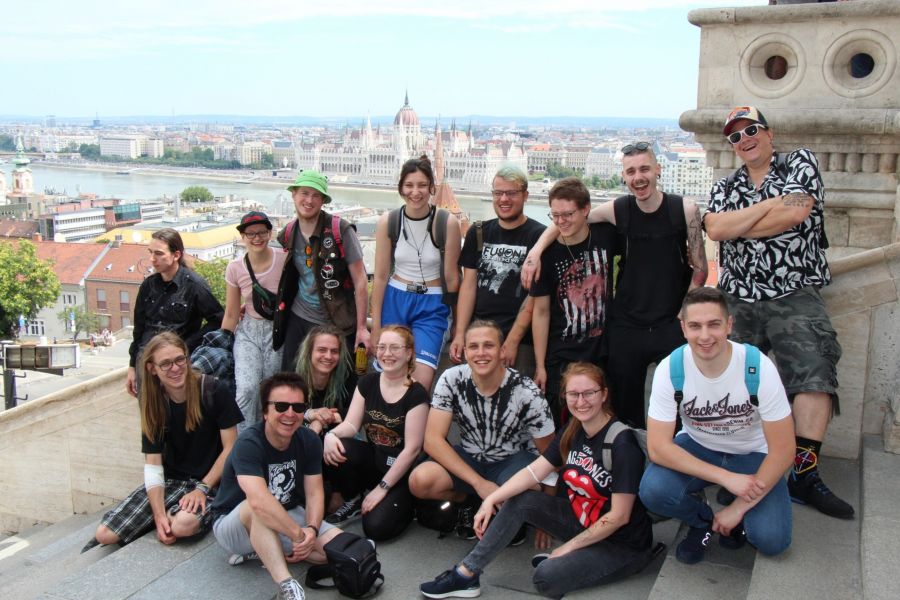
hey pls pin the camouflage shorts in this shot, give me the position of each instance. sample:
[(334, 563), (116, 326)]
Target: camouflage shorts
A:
[(796, 332)]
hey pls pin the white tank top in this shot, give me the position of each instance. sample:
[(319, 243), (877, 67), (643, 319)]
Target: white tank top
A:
[(416, 258)]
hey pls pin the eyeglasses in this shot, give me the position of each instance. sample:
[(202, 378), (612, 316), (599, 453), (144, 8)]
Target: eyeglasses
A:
[(563, 216), (635, 148), (166, 365), (281, 407), (586, 394), (749, 131), (253, 235), (391, 348), (308, 257), (498, 194)]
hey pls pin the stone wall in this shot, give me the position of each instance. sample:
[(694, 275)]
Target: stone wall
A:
[(76, 450), (852, 123)]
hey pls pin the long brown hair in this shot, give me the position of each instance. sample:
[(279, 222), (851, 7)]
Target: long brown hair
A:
[(591, 371), (172, 239), (336, 392), (410, 342), (154, 402)]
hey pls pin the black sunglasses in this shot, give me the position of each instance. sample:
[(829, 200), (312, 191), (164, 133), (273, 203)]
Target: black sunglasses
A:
[(635, 148), (299, 407)]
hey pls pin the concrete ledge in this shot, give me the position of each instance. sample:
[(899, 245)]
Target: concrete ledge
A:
[(880, 535), (84, 439)]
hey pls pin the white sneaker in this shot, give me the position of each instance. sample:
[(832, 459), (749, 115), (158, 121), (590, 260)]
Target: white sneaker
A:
[(290, 590), (237, 559)]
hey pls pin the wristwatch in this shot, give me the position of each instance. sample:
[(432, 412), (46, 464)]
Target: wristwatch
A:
[(384, 485)]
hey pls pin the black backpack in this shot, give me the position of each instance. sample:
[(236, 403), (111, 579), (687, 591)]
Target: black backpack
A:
[(439, 515), (352, 565)]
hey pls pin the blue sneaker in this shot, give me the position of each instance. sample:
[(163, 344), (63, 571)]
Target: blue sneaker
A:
[(451, 584), (692, 548)]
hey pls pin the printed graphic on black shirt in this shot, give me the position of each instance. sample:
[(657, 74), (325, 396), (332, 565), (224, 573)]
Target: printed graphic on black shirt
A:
[(582, 293), (499, 269), (585, 479), (283, 480)]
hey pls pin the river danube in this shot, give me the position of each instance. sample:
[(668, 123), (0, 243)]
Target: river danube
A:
[(148, 185)]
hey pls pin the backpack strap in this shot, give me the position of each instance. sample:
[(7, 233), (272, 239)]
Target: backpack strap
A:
[(620, 210), (751, 373), (394, 225), (479, 238), (676, 373), (207, 389), (317, 577), (615, 428), (336, 233), (676, 211)]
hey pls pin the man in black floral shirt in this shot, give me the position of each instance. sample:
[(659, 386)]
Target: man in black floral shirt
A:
[(769, 219)]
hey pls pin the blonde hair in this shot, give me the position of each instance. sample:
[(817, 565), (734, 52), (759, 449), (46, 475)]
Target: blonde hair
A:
[(153, 399)]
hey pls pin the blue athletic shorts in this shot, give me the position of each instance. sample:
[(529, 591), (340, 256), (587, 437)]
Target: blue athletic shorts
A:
[(426, 314)]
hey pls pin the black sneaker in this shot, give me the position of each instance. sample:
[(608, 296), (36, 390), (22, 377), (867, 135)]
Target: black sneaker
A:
[(239, 559), (539, 558), (734, 540), (810, 489), (724, 497), (91, 544), (692, 548), (520, 536), (451, 584), (465, 522), (348, 510)]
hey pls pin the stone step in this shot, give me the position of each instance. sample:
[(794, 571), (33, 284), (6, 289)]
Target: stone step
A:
[(824, 558), (880, 537), (35, 561), (146, 570)]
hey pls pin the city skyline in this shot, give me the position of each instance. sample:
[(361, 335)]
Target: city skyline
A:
[(349, 58)]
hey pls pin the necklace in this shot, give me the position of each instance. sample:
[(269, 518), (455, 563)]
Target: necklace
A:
[(584, 263), (416, 245)]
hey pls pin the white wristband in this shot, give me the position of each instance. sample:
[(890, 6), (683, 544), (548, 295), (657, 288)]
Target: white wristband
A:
[(153, 477)]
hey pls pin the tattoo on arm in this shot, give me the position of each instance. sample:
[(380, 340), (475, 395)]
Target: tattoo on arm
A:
[(696, 249), (797, 199)]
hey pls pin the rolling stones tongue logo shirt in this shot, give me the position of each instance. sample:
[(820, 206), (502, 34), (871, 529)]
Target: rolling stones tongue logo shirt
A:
[(589, 487)]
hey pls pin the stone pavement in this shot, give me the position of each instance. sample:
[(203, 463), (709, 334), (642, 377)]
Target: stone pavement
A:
[(829, 559)]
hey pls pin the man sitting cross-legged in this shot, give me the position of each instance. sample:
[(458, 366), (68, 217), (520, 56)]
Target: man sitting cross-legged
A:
[(501, 415), (271, 499)]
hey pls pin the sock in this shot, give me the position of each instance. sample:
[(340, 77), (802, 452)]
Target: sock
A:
[(463, 575), (806, 460)]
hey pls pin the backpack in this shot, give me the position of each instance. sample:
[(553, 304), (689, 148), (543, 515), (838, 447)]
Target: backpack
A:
[(781, 167), (352, 565), (612, 433), (751, 373), (335, 229), (437, 230), (439, 515)]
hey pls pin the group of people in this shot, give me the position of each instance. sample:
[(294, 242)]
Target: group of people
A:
[(554, 329)]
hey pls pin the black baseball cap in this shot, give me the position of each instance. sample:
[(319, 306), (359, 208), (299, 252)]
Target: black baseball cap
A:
[(253, 217)]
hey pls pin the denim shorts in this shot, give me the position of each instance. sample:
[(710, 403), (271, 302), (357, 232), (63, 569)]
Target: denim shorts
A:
[(498, 472)]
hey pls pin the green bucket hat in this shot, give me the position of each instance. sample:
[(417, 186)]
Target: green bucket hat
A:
[(314, 180)]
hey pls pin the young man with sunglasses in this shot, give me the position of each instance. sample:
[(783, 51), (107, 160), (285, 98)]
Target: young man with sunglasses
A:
[(768, 217), (662, 259), (492, 258), (271, 502), (325, 281)]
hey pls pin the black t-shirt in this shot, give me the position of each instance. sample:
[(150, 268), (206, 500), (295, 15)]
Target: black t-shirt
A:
[(191, 455), (589, 486), (498, 290), (317, 397), (283, 470), (578, 279), (383, 422)]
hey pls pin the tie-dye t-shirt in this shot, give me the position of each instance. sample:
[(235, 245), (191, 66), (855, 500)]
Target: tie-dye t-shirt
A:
[(590, 487), (494, 428)]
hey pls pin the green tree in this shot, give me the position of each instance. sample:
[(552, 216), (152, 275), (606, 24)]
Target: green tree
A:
[(213, 272), (7, 143), (89, 151), (27, 284), (85, 320), (196, 193)]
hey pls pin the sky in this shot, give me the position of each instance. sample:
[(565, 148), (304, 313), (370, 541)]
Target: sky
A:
[(350, 58)]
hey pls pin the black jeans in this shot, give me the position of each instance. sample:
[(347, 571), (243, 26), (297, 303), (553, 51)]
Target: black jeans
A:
[(362, 472), (597, 564)]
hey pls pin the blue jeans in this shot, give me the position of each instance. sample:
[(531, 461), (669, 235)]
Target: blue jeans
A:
[(498, 472), (602, 562), (671, 494)]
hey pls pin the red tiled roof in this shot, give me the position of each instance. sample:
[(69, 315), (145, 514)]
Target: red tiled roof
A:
[(70, 261), (128, 262), (12, 228)]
